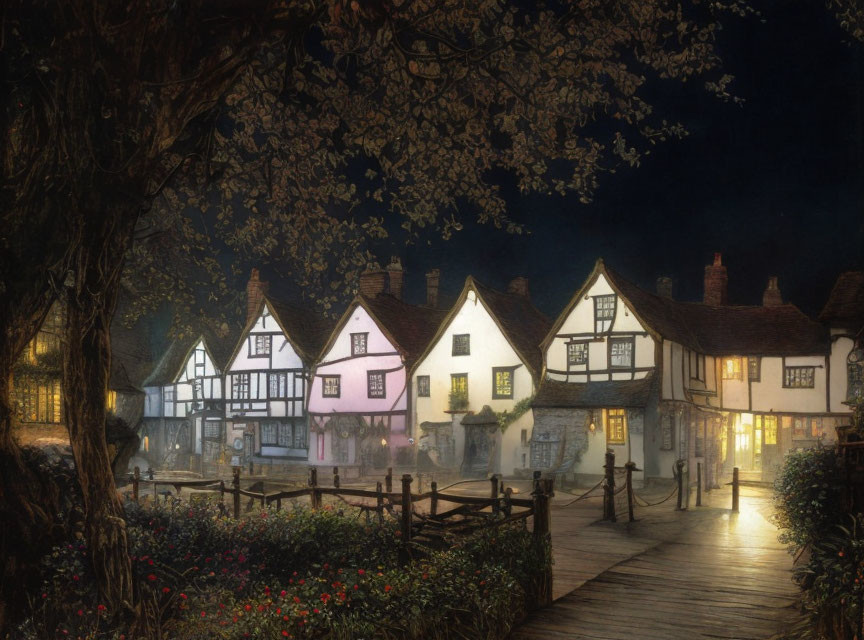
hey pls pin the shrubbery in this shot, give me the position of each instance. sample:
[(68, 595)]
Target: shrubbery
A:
[(830, 541), (294, 574)]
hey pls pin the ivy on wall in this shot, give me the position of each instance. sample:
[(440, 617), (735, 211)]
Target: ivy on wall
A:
[(506, 418)]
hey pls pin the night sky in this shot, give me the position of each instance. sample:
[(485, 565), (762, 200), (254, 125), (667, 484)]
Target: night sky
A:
[(775, 184)]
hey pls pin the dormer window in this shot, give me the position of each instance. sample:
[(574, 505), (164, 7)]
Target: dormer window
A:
[(604, 313), (462, 344)]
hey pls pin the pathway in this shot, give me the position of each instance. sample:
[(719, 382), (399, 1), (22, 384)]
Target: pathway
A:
[(701, 573)]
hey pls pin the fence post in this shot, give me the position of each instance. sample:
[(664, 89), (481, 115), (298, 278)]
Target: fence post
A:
[(136, 480), (433, 502), (535, 484), (388, 480), (404, 552), (251, 468), (494, 493), (609, 488), (698, 484), (336, 477), (279, 504), (735, 489), (379, 501), (314, 496), (679, 474), (542, 536), (222, 492), (630, 466), (235, 487)]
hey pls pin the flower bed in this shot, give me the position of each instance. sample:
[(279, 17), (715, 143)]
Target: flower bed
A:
[(294, 574)]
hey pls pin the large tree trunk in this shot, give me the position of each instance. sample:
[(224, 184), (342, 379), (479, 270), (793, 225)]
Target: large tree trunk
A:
[(91, 301)]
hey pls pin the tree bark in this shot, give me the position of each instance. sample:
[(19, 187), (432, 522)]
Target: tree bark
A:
[(90, 306)]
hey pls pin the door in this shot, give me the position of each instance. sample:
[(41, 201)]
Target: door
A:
[(744, 443), (477, 450)]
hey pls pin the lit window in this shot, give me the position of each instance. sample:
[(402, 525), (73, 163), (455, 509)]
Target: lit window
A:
[(503, 382), (616, 426), (799, 377), (732, 369), (462, 344), (769, 425), (620, 353), (423, 386), (459, 382), (330, 386), (376, 384), (358, 343), (604, 313), (111, 401), (577, 353)]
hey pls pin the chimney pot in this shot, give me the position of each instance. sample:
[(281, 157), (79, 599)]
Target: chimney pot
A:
[(664, 287), (397, 277), (716, 283), (519, 286), (433, 281), (256, 289), (771, 296)]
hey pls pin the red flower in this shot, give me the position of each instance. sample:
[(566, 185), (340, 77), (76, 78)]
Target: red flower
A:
[(425, 576), (248, 607), (101, 607), (183, 595), (296, 599), (315, 611), (80, 612), (301, 581), (75, 578), (203, 614), (284, 633), (152, 577), (282, 593), (387, 587), (361, 572), (166, 589), (325, 597)]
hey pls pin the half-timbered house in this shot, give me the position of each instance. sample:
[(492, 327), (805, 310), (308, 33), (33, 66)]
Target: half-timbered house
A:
[(657, 380), (266, 383), (184, 405), (359, 398), (843, 314), (485, 353)]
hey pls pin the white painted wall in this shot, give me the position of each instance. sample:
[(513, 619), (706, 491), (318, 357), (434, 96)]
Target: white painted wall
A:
[(580, 320), (840, 349), (489, 348)]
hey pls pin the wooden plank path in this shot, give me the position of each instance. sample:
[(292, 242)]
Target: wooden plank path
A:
[(701, 573)]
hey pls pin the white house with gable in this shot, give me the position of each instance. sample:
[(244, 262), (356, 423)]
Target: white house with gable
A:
[(485, 353)]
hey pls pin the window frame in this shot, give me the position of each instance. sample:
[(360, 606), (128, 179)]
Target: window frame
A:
[(737, 374), (622, 340), (237, 384), (457, 352), (607, 417), (757, 377), (598, 320), (454, 376), (792, 369), (376, 372), (424, 391), (337, 379), (365, 336), (584, 348), (499, 396)]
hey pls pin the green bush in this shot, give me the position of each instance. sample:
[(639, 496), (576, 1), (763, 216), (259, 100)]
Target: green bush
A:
[(298, 574)]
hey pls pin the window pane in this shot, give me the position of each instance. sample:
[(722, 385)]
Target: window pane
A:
[(462, 345), (577, 353), (459, 383), (268, 433), (376, 384), (358, 343), (285, 435), (621, 353), (615, 426), (262, 345), (330, 386), (423, 386), (770, 429), (503, 383), (753, 368)]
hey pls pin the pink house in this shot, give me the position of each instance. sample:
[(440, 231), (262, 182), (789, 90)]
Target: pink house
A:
[(358, 399)]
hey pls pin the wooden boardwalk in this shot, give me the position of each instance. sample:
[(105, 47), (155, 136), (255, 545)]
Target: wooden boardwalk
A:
[(702, 573)]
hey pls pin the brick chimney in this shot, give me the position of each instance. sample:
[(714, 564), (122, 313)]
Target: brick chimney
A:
[(397, 277), (433, 280), (519, 286), (716, 283), (256, 289), (664, 287), (372, 282), (771, 297)]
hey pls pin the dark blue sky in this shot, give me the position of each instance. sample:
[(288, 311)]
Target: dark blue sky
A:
[(775, 184)]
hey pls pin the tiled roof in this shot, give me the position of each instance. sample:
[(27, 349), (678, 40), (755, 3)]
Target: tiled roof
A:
[(726, 330), (410, 326), (168, 366), (523, 324), (596, 394), (307, 330), (845, 306)]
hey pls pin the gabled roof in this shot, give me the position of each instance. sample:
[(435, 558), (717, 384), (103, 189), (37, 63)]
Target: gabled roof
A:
[(520, 322), (845, 306), (304, 329), (408, 327), (169, 367), (781, 330), (554, 394)]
